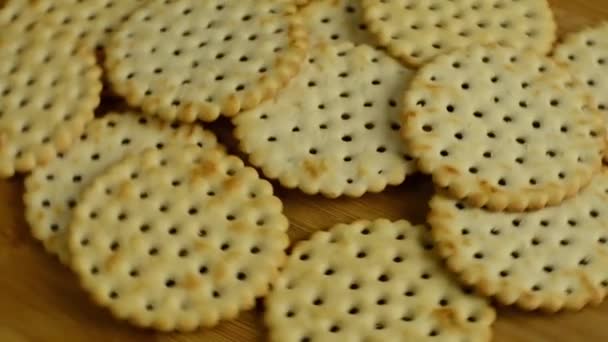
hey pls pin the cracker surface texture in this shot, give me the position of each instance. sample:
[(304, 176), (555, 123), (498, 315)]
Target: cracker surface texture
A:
[(335, 129), (53, 190), (586, 54), (372, 281), (504, 129), (49, 87), (551, 259), (332, 21), (186, 60), (93, 20), (417, 31), (178, 238)]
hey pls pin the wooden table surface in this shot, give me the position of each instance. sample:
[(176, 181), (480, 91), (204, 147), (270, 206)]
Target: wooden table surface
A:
[(41, 301)]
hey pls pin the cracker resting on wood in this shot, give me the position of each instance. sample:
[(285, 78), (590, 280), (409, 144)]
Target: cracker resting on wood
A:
[(372, 281), (178, 238)]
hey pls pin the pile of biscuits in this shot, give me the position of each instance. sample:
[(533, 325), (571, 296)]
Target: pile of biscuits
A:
[(336, 97)]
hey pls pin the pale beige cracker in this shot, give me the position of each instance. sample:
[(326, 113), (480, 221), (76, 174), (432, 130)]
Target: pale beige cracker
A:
[(93, 20), (186, 60), (372, 281), (334, 21), (504, 129), (52, 190), (49, 87), (585, 53), (178, 238), (335, 129), (550, 259), (416, 31)]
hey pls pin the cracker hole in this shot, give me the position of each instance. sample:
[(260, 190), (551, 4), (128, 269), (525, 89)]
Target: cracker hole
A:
[(144, 228)]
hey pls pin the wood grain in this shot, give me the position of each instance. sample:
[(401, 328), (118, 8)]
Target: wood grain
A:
[(41, 301)]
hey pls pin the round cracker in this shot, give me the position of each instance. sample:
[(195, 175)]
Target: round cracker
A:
[(372, 281), (335, 129), (178, 238), (204, 58), (417, 31), (335, 20), (504, 129), (53, 190), (586, 54), (553, 258), (49, 88)]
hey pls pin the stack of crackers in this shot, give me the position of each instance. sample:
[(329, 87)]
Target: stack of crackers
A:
[(169, 231)]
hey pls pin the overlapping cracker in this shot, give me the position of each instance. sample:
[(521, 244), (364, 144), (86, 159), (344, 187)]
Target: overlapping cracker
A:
[(54, 189), (49, 87), (178, 238), (335, 129), (187, 60), (504, 129), (372, 281), (551, 259), (416, 31), (335, 20)]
